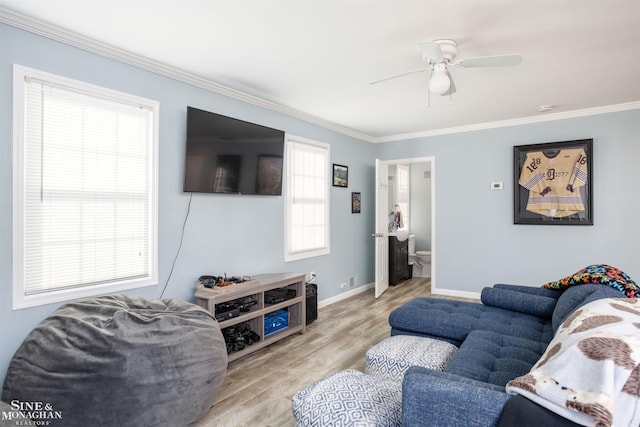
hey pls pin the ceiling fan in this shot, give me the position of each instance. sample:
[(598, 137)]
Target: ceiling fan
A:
[(439, 55)]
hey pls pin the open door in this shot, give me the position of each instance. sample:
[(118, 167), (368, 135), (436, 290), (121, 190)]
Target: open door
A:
[(382, 222)]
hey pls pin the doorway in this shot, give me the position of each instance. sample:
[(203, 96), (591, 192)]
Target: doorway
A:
[(416, 217)]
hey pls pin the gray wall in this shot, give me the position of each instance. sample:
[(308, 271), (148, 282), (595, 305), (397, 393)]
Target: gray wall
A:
[(477, 243), (224, 234)]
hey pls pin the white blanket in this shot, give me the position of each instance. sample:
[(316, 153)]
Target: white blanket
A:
[(590, 372)]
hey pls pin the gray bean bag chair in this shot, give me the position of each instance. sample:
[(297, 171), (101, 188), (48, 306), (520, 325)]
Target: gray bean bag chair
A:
[(12, 416), (120, 361)]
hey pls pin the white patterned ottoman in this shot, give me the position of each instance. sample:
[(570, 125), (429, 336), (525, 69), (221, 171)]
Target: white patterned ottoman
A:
[(391, 357), (349, 398)]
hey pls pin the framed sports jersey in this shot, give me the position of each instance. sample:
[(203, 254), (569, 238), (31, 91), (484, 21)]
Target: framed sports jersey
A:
[(552, 183)]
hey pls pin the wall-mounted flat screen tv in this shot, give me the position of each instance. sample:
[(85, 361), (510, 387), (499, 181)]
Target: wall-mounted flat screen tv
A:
[(231, 156)]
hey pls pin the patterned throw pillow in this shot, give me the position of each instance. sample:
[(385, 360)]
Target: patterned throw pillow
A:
[(599, 274)]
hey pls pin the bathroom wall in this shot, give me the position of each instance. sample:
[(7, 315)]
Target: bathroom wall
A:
[(420, 202), (420, 212)]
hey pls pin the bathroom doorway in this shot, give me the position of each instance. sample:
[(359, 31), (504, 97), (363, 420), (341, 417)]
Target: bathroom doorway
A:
[(410, 207)]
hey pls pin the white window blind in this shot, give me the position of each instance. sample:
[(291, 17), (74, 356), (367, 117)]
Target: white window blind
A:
[(87, 191), (307, 199)]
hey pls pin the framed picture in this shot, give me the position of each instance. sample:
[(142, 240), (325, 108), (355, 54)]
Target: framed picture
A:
[(552, 183), (356, 202), (340, 176)]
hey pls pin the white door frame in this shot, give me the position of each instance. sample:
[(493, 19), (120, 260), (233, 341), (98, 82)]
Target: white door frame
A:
[(381, 234), (384, 257)]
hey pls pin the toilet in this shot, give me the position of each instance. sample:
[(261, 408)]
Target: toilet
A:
[(421, 259)]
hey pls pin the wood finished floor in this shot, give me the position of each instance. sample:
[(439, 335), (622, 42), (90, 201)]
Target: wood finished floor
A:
[(258, 388)]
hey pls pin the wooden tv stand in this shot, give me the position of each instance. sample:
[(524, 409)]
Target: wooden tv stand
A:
[(255, 288)]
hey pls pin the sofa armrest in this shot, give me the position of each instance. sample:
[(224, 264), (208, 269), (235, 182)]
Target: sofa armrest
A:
[(442, 399), (522, 302), (533, 290)]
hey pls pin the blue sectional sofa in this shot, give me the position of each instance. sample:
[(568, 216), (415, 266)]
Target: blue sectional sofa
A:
[(498, 340)]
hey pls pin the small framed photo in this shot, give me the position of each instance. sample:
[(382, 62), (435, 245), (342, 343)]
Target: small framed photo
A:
[(340, 176), (552, 183), (356, 203)]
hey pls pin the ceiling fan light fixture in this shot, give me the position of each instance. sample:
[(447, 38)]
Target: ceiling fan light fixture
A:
[(439, 57), (449, 49), (440, 81)]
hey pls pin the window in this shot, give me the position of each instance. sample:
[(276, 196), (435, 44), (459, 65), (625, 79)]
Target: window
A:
[(84, 185), (307, 199), (402, 194)]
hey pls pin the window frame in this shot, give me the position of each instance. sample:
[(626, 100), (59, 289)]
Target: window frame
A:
[(288, 227), (21, 299)]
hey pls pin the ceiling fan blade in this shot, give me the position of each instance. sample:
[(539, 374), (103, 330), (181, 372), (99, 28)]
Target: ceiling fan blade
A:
[(490, 61), (431, 51), (419, 70)]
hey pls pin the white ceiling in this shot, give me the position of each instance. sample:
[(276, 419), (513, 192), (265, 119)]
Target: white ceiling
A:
[(318, 57)]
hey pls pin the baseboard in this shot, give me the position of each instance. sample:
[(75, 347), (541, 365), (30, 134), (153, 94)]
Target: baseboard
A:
[(459, 294), (364, 288), (344, 295)]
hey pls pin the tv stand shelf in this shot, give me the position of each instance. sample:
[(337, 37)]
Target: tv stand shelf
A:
[(208, 298)]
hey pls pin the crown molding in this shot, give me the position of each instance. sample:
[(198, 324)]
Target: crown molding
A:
[(80, 41), (513, 122)]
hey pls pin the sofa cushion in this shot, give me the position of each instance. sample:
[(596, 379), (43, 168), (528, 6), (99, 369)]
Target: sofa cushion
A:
[(537, 305), (453, 320), (495, 358), (434, 398), (528, 289), (577, 296)]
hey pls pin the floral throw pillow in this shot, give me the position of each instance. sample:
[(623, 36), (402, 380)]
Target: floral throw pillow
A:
[(599, 274)]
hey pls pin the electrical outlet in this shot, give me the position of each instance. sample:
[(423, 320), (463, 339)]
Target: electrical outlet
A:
[(343, 285), (312, 277), (353, 281)]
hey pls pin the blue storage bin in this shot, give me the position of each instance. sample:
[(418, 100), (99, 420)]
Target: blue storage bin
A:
[(276, 321)]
